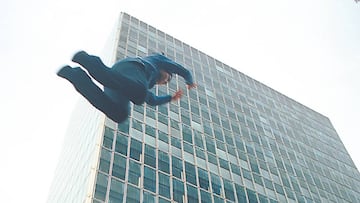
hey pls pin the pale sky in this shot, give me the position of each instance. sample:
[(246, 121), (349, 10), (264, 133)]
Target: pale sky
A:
[(308, 50)]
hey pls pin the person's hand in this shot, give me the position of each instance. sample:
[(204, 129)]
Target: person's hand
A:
[(178, 94), (194, 85)]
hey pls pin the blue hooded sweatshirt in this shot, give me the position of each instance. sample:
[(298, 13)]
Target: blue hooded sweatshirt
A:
[(152, 65)]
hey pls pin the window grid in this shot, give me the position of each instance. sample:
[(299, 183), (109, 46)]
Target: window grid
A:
[(244, 130)]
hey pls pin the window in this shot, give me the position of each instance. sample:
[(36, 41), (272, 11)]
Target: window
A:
[(174, 124), (177, 167), (220, 145), (192, 194), (150, 156), (135, 149), (108, 137), (124, 127), (219, 134), (295, 184), (254, 166), (149, 179), (178, 190), (100, 187), (203, 179), (148, 197), (250, 150), (187, 134), (161, 200), (228, 138), (163, 146), (119, 166), (198, 139), (216, 184), (214, 116), (150, 130), (164, 164), (212, 159), (263, 199), (285, 180), (239, 145), (240, 193), (247, 174), (175, 142), (190, 173), (164, 185), (223, 163), (252, 196), (209, 92), (225, 123), (194, 109), (200, 153), (218, 199), (205, 196), (121, 144), (273, 170), (258, 179), (188, 148), (204, 112), (207, 130), (133, 194), (134, 172), (137, 125), (279, 189), (163, 137), (229, 190), (235, 169), (150, 113), (105, 160), (290, 194), (210, 145), (184, 104), (116, 191), (269, 184), (163, 119)]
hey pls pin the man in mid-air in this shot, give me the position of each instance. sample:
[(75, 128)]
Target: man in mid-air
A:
[(127, 80)]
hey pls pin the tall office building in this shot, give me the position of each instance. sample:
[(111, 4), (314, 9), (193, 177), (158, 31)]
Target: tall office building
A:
[(233, 139)]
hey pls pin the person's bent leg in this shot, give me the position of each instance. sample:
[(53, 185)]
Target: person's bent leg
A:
[(85, 86), (121, 101), (125, 76), (96, 68)]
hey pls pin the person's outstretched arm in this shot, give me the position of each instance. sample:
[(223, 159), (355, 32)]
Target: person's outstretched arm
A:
[(173, 67), (154, 100)]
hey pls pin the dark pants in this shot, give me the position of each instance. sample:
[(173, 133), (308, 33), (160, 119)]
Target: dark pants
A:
[(125, 81)]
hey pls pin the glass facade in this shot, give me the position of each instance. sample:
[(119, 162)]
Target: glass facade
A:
[(79, 157), (232, 139)]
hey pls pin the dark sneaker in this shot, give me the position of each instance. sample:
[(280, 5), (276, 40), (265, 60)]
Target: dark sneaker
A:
[(80, 56), (65, 72), (74, 75)]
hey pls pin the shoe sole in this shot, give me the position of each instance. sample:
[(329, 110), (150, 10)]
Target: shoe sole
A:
[(78, 55)]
